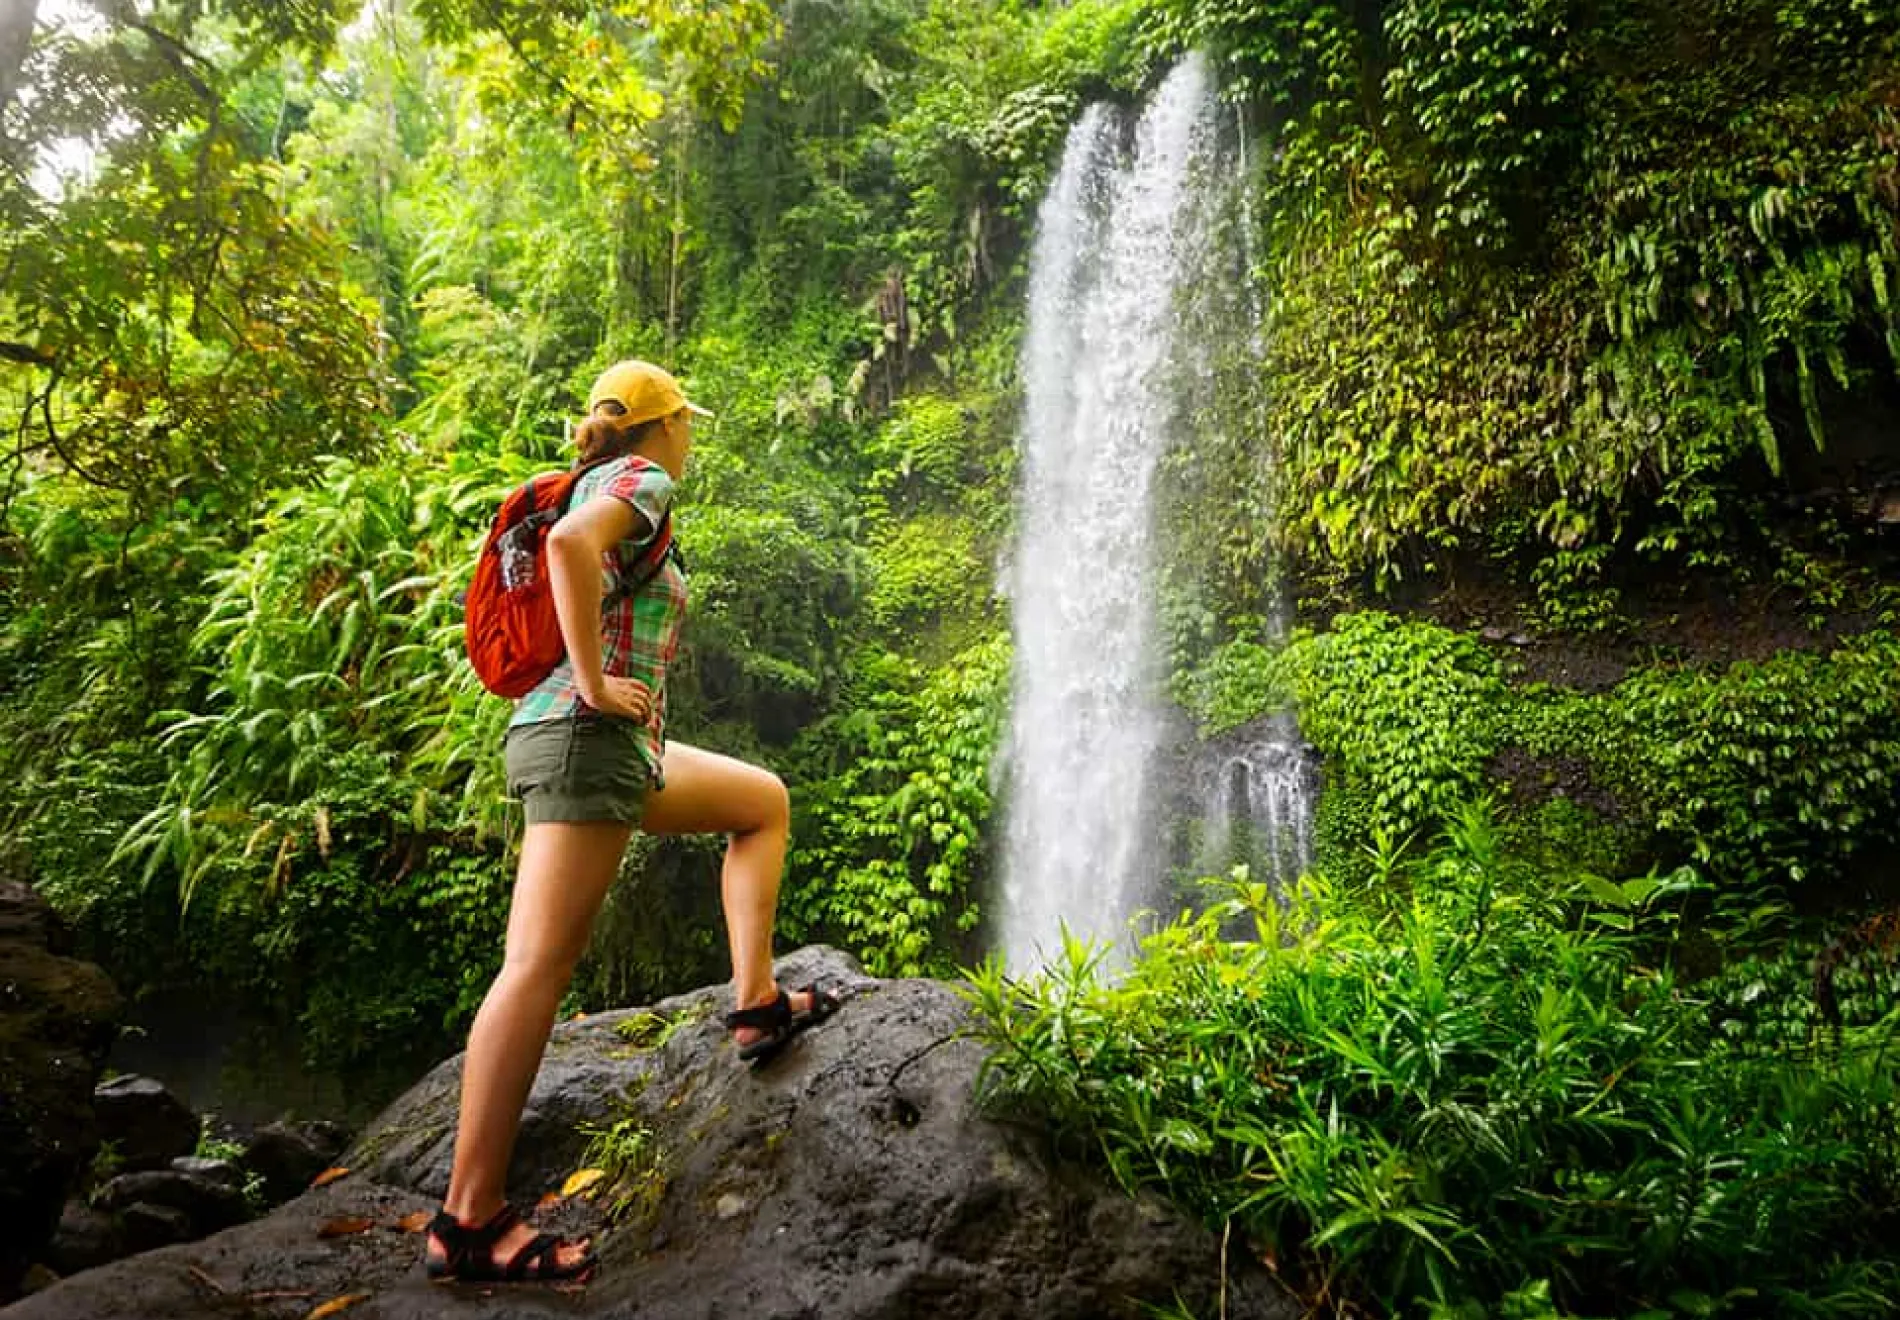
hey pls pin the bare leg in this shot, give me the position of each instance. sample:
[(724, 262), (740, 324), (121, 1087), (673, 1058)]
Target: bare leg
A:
[(565, 872), (707, 793)]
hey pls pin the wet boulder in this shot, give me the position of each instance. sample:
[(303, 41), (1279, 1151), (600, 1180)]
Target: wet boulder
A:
[(286, 1156), (86, 1239), (146, 1125), (208, 1203)]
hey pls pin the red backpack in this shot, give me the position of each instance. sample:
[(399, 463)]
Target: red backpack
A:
[(510, 629)]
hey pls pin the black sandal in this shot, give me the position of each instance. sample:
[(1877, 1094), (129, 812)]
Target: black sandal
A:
[(780, 1022), (469, 1253)]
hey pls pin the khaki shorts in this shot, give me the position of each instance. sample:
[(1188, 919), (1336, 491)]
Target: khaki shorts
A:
[(577, 770)]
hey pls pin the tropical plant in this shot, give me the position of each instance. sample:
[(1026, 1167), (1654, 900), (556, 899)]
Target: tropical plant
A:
[(1422, 1096)]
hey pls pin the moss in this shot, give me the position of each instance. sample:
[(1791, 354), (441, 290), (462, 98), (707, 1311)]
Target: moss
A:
[(650, 1029)]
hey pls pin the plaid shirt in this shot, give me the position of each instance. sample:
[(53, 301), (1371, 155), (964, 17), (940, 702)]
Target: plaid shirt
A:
[(638, 633)]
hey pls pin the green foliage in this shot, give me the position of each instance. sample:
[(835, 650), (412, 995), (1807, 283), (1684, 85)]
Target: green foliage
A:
[(606, 57), (1546, 279), (1422, 1095), (70, 815), (923, 568), (1770, 771), (337, 627), (922, 451), (932, 515), (651, 1030), (890, 842), (1403, 712), (170, 330), (627, 1154), (1763, 773), (767, 590), (388, 943)]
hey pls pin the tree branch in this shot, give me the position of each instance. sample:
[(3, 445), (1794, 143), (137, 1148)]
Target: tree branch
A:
[(33, 357), (170, 48), (577, 105), (58, 442)]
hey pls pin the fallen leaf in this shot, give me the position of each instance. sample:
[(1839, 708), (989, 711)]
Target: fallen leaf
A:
[(335, 1304), (345, 1226), (548, 1201), (578, 1017), (414, 1223), (328, 1176), (580, 1180)]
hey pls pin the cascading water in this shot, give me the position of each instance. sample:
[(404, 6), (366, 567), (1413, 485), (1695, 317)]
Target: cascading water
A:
[(1257, 791), (1119, 236)]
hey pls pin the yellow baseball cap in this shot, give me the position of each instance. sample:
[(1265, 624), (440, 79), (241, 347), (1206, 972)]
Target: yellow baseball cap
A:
[(644, 390)]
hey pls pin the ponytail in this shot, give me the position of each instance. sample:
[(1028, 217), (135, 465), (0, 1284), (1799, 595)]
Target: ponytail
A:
[(603, 435)]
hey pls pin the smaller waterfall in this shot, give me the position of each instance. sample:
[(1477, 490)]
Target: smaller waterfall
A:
[(1256, 805)]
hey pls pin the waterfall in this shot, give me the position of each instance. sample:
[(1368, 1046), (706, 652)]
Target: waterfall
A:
[(1120, 237), (1256, 793)]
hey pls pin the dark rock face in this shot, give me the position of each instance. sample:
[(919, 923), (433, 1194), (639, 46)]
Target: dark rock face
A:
[(86, 1238), (852, 1178), (207, 1204), (218, 1171), (288, 1155), (147, 1125), (146, 1226), (57, 1020)]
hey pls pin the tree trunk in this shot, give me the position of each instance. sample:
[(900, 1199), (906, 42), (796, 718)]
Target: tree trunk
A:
[(682, 136), (16, 36)]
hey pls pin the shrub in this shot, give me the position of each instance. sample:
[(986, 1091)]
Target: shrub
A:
[(1762, 774), (1467, 1089), (1405, 713), (1773, 770), (891, 851)]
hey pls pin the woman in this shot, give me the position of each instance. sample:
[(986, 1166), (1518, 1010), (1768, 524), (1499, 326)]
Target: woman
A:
[(587, 755)]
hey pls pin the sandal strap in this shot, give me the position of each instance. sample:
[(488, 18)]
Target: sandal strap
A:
[(447, 1229), (463, 1245), (488, 1234), (820, 1004), (535, 1260), (762, 1017)]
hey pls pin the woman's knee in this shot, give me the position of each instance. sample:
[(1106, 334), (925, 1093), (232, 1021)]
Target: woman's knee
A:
[(780, 800), (770, 802), (545, 969)]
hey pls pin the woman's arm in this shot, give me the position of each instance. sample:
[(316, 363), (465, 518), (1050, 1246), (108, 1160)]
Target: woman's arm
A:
[(575, 546)]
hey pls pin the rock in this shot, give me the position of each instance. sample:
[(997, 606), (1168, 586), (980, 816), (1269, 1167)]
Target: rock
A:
[(38, 1279), (57, 1020), (208, 1204), (86, 1239), (148, 1227), (218, 1171), (852, 1178), (26, 918), (146, 1125), (288, 1155)]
